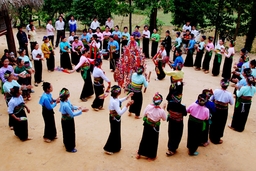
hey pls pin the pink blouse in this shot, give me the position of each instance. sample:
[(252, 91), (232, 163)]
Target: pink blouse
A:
[(100, 35), (82, 60), (75, 45), (199, 112), (154, 113), (209, 47)]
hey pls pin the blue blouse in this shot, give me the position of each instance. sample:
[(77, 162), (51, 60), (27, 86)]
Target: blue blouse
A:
[(118, 33), (63, 45), (67, 108), (114, 43), (47, 101)]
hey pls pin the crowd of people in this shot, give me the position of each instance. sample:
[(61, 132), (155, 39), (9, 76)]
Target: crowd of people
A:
[(208, 114)]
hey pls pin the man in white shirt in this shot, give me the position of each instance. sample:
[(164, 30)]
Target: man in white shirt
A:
[(50, 31), (195, 32), (186, 27), (59, 25), (110, 24), (145, 43), (94, 24), (31, 22)]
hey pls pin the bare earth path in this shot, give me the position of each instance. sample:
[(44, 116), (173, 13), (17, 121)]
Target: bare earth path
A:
[(237, 153)]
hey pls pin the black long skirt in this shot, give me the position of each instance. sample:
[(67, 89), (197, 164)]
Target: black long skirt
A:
[(87, 88), (21, 127), (69, 135), (137, 104), (145, 44), (207, 59), (174, 89), (124, 43), (49, 121), (113, 61), (154, 46), (113, 143), (105, 46), (216, 65), (226, 71), (175, 131), (149, 141), (189, 58), (159, 71), (174, 54), (168, 49), (38, 71), (219, 119), (50, 62), (65, 61), (97, 102), (194, 134), (75, 57), (240, 117), (198, 60)]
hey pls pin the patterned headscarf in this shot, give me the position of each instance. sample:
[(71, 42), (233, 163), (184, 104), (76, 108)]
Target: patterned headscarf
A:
[(177, 98), (208, 92), (64, 93), (224, 83), (115, 89), (7, 74), (157, 99), (140, 70), (201, 99), (179, 66)]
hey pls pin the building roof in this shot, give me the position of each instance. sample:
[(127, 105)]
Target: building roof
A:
[(6, 4)]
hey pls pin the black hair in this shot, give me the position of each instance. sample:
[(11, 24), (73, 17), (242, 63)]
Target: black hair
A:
[(126, 27), (6, 51), (46, 86), (30, 26), (19, 60), (243, 50), (179, 51), (84, 30), (253, 62), (192, 35), (98, 61), (15, 91), (106, 26), (117, 26), (85, 50), (97, 28), (3, 59), (167, 31)]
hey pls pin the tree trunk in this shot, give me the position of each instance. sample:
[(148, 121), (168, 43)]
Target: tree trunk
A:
[(153, 22), (252, 29), (238, 22), (130, 17), (9, 35), (217, 21)]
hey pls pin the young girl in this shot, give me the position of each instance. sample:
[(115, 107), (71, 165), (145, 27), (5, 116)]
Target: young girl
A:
[(177, 45), (99, 76), (208, 55), (190, 51), (176, 111), (84, 64), (243, 105), (199, 54), (68, 112), (48, 103), (153, 114), (158, 60), (155, 37), (196, 123), (113, 143), (226, 71), (219, 50), (16, 110), (221, 98)]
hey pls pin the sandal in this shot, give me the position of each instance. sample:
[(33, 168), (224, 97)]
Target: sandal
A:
[(231, 127), (72, 151), (194, 154), (205, 144), (169, 153)]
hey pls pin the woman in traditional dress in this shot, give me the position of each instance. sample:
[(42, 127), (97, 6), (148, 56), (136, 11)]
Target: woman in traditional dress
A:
[(77, 47), (117, 35), (136, 34), (99, 75), (137, 81), (106, 35), (68, 112), (47, 49), (219, 50), (99, 37), (159, 61), (196, 123), (113, 49), (48, 103), (226, 71), (153, 114), (64, 54), (155, 37), (113, 143), (16, 110), (176, 111), (94, 46), (199, 54), (27, 62), (243, 105), (177, 45), (38, 57), (208, 55), (84, 64), (125, 37), (190, 51), (145, 41), (168, 42), (221, 98)]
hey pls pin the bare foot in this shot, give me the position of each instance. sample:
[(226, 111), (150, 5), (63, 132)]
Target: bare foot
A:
[(129, 114), (137, 117), (137, 156), (29, 138)]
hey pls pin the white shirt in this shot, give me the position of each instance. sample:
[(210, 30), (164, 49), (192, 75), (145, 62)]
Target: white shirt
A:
[(185, 27), (15, 101), (97, 72), (36, 52), (94, 25), (195, 33), (219, 48), (110, 24), (28, 28), (222, 96), (59, 25), (231, 51), (114, 104), (146, 33), (49, 30), (95, 44), (70, 39)]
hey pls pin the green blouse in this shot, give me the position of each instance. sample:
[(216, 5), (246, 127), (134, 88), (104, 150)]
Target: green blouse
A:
[(156, 36)]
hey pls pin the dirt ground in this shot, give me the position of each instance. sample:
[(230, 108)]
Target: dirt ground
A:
[(237, 153)]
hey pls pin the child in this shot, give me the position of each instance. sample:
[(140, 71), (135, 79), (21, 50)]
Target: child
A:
[(16, 110), (177, 45), (48, 103), (68, 112), (199, 54), (153, 114), (178, 59), (196, 123)]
